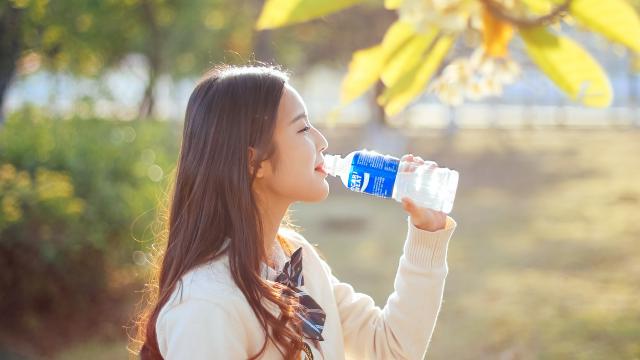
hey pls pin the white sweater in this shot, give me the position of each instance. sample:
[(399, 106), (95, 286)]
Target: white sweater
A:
[(211, 319)]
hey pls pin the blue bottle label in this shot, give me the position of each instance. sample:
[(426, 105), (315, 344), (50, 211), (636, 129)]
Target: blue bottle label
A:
[(373, 173)]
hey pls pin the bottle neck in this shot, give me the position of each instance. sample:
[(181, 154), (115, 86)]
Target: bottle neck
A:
[(332, 164)]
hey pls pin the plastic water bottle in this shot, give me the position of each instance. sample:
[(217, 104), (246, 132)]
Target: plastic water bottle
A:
[(376, 174)]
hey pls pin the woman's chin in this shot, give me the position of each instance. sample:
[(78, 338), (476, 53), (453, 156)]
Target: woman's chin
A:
[(318, 195), (325, 195)]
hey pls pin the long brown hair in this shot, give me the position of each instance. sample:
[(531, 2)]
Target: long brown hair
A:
[(231, 109)]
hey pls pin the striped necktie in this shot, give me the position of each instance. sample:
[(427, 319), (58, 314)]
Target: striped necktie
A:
[(311, 314)]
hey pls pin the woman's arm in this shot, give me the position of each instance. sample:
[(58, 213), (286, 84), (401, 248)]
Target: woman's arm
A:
[(201, 329), (403, 329)]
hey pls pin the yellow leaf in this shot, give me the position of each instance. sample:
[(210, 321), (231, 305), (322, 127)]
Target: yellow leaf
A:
[(364, 71), (539, 7), (367, 64), (412, 83), (569, 66), (277, 13), (406, 58), (392, 4), (617, 20)]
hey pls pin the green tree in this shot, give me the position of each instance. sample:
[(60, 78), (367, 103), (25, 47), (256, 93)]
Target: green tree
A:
[(74, 36), (180, 37), (176, 37), (87, 38), (184, 37)]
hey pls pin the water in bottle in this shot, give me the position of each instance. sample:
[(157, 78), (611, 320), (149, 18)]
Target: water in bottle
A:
[(380, 175)]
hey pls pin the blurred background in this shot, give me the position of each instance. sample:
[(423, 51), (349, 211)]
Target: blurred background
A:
[(543, 264)]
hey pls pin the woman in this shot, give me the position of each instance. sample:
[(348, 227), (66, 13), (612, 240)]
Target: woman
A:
[(236, 282)]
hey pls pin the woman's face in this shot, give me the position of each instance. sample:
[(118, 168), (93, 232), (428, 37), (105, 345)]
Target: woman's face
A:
[(299, 148)]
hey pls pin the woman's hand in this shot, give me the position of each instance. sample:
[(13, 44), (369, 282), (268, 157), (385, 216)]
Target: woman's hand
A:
[(422, 217)]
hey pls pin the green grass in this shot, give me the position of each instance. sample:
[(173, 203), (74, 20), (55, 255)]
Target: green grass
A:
[(96, 350), (545, 263)]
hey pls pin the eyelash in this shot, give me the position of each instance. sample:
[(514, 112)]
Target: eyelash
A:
[(306, 128)]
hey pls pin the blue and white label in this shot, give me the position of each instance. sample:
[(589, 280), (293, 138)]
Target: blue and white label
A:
[(373, 173)]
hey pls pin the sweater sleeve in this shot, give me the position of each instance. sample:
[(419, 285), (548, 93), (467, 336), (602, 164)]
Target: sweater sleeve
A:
[(403, 328), (199, 329)]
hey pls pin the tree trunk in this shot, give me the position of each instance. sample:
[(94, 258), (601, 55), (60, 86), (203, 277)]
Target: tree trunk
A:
[(262, 46), (452, 125), (154, 56), (9, 49), (147, 105), (379, 116), (378, 135)]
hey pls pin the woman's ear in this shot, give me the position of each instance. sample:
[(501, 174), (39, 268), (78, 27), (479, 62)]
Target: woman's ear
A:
[(252, 164)]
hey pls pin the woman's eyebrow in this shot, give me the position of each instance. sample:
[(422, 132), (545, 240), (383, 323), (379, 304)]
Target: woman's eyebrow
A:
[(301, 116)]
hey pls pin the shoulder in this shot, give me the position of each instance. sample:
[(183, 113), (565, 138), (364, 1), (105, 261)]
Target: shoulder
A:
[(204, 300), (198, 327), (209, 284), (208, 311)]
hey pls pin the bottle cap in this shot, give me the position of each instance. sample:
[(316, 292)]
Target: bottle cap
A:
[(331, 164)]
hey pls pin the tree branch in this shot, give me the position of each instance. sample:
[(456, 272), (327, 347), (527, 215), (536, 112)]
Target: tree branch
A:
[(503, 14)]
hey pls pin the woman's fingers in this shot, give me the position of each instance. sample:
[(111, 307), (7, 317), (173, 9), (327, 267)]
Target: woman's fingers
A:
[(408, 205), (406, 156), (410, 162), (405, 161), (414, 159), (424, 218)]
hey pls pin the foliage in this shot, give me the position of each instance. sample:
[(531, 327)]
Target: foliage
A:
[(175, 37), (87, 38), (573, 70), (72, 35), (74, 194), (414, 46), (277, 13)]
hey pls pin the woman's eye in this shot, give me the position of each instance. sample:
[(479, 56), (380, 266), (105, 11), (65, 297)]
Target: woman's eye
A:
[(306, 128)]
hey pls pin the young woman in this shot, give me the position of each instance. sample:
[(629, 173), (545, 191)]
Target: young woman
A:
[(234, 280)]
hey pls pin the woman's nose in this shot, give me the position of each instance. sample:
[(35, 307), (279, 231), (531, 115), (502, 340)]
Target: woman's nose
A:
[(324, 144)]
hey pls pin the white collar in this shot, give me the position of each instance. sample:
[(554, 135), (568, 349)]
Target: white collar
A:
[(278, 258)]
